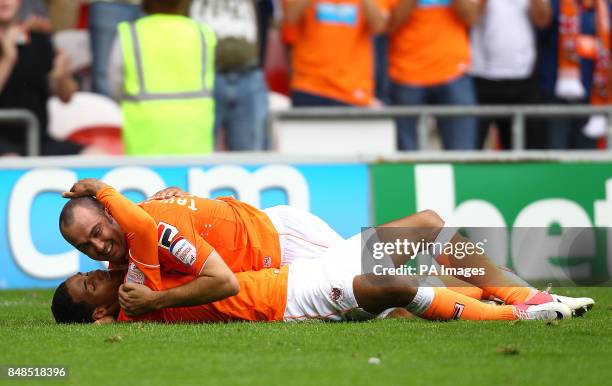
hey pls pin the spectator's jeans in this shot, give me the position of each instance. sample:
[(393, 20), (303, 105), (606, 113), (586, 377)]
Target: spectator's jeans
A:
[(509, 92), (103, 20), (566, 132), (241, 108), (456, 133), (306, 99)]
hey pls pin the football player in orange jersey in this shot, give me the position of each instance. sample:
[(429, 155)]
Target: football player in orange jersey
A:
[(332, 288), (138, 299), (112, 228), (195, 236), (328, 289)]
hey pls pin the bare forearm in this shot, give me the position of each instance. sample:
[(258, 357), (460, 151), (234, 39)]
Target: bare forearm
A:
[(377, 19), (294, 9), (64, 87), (468, 10), (540, 12), (203, 290), (400, 14)]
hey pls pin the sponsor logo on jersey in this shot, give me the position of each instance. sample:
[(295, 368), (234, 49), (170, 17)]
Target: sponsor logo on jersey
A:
[(336, 294), (458, 310), (183, 250), (165, 234), (135, 275), (333, 13)]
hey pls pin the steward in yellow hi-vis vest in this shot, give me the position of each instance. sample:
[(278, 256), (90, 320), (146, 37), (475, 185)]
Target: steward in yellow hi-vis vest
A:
[(168, 81)]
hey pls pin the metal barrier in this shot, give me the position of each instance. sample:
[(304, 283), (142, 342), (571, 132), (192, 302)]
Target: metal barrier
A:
[(518, 113), (31, 123)]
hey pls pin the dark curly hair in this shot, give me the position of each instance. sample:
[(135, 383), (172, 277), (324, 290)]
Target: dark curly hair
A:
[(65, 310)]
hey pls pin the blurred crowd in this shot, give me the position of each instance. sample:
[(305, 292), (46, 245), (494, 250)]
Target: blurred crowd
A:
[(189, 76)]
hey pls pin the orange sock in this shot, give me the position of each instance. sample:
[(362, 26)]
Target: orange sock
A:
[(447, 305), (510, 295), (469, 291)]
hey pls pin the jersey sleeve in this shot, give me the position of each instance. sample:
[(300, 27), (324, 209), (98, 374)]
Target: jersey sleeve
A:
[(141, 236), (178, 235)]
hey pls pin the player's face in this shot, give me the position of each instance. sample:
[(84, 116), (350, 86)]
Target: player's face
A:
[(96, 235), (8, 10), (98, 288)]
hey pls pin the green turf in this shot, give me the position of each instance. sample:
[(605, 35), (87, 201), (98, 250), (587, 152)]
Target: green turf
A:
[(412, 352)]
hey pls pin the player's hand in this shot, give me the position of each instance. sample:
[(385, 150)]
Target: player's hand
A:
[(85, 187), (105, 320), (137, 299), (170, 192)]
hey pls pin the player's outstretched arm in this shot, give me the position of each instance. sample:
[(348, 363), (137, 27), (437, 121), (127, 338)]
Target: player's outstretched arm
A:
[(216, 282)]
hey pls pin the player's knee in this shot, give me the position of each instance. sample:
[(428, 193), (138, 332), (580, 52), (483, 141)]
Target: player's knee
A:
[(430, 218), (399, 290), (232, 285)]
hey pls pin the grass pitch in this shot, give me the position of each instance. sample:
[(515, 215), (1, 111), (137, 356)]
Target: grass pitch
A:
[(411, 352)]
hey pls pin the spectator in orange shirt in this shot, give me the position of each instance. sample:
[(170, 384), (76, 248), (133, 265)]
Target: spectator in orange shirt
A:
[(429, 56), (331, 50)]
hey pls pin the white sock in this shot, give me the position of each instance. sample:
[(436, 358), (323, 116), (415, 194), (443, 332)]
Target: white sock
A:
[(422, 300)]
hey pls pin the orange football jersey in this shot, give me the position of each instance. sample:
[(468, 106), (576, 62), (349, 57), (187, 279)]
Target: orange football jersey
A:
[(262, 297), (189, 228)]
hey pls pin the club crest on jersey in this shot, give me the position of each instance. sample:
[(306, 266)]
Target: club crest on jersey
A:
[(165, 234), (135, 275), (336, 294), (183, 250)]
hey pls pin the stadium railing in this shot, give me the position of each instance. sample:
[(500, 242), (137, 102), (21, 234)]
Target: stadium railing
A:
[(518, 114), (31, 124)]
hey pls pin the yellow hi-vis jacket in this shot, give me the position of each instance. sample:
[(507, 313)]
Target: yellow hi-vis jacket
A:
[(167, 104)]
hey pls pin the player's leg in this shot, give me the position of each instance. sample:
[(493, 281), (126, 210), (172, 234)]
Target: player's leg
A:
[(331, 288), (497, 282), (377, 293), (302, 234), (457, 285)]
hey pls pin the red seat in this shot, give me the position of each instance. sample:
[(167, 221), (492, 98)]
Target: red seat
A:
[(105, 137)]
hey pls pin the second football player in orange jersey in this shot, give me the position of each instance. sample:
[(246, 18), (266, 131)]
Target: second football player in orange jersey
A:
[(195, 236)]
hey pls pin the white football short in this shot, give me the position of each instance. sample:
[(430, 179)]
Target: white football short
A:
[(323, 288), (302, 235)]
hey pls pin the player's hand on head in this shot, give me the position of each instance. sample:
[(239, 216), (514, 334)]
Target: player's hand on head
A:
[(85, 187), (137, 299), (170, 192)]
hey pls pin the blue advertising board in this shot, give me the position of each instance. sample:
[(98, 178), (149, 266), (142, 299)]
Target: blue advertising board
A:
[(33, 253)]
